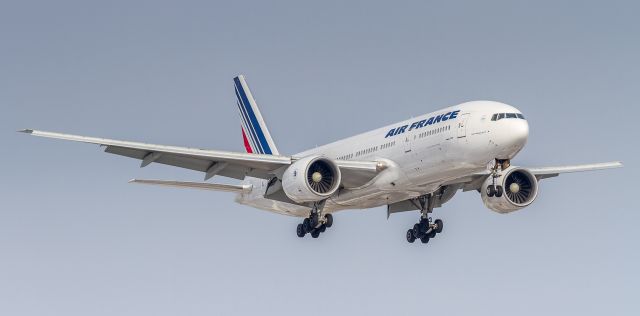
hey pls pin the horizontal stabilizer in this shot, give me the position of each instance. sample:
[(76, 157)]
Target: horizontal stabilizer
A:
[(243, 188)]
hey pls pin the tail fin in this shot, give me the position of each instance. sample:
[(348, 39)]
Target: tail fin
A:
[(255, 134)]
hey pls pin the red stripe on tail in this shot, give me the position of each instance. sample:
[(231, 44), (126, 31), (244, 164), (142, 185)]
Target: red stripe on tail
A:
[(246, 142)]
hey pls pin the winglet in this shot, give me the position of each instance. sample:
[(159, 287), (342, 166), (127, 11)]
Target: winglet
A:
[(27, 131)]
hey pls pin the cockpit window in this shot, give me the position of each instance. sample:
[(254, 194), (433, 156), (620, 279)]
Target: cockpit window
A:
[(499, 116)]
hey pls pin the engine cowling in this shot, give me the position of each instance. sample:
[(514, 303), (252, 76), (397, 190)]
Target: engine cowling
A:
[(311, 179), (520, 189)]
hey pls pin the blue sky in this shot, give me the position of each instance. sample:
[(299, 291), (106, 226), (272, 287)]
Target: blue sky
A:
[(77, 239)]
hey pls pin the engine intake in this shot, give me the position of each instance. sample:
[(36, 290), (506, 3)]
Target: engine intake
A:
[(519, 186), (310, 179)]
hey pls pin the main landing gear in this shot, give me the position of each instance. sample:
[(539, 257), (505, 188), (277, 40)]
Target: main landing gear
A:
[(425, 229), (316, 223)]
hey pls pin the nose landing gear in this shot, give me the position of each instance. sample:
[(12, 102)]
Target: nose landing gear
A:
[(499, 166), (495, 190)]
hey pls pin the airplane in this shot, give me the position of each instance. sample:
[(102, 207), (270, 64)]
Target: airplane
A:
[(415, 165)]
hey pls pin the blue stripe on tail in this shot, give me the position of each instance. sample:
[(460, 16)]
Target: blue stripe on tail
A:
[(260, 139), (251, 131)]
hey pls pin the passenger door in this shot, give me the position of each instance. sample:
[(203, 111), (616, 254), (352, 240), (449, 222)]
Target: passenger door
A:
[(407, 143), (462, 127)]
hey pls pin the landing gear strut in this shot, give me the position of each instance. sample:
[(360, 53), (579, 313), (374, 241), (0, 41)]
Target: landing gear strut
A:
[(499, 166), (425, 229), (316, 223)]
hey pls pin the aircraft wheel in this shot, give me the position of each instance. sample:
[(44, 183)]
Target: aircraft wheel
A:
[(499, 191), (432, 233), (315, 233), (322, 228), (491, 191), (424, 239), (439, 225), (410, 236), (328, 220), (306, 224), (416, 229), (313, 221), (300, 231)]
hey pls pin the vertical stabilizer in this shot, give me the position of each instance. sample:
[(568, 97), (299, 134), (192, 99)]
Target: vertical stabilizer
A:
[(255, 133)]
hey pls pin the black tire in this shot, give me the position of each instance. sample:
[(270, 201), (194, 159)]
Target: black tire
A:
[(416, 230), (491, 191), (499, 191), (328, 220), (424, 239), (300, 231), (424, 225), (313, 221), (439, 225), (432, 233), (410, 236), (315, 233), (306, 224), (322, 228)]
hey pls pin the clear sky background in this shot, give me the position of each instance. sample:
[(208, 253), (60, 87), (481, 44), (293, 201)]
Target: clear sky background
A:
[(77, 239)]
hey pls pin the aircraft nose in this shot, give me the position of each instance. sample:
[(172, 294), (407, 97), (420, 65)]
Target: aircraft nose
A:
[(519, 132), (511, 136)]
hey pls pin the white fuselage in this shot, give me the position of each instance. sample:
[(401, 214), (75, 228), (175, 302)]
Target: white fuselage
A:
[(421, 157)]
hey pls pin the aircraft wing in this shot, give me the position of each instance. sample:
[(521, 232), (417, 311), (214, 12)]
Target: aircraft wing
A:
[(548, 172), (211, 162), (474, 181)]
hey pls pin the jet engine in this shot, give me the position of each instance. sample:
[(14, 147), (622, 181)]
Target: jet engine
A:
[(311, 179), (514, 189)]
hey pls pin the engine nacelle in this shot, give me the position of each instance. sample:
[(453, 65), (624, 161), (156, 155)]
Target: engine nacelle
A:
[(311, 179), (520, 188)]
